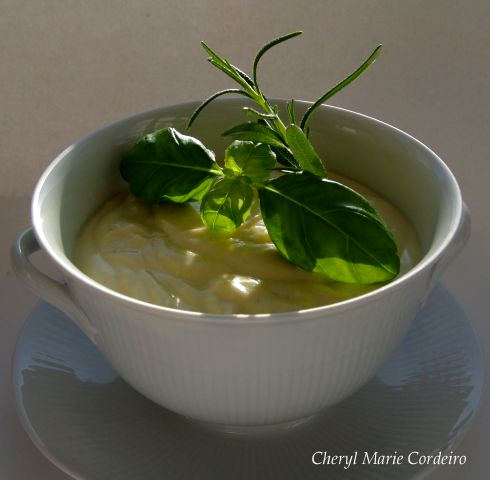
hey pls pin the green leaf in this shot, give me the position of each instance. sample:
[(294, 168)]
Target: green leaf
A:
[(208, 100), (226, 67), (227, 204), (255, 132), (285, 157), (267, 47), (303, 151), (253, 160), (291, 112), (260, 115), (323, 226), (359, 71), (168, 166), (244, 76)]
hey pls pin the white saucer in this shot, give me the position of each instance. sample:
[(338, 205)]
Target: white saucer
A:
[(92, 425)]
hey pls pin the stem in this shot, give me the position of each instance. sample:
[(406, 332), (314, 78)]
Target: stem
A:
[(280, 127)]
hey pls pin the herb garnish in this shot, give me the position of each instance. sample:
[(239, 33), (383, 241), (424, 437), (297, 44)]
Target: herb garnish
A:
[(318, 224)]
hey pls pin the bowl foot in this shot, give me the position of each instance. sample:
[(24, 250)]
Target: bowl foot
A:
[(256, 430)]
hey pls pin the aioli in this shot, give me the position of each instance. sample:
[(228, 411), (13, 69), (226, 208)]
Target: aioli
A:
[(163, 254)]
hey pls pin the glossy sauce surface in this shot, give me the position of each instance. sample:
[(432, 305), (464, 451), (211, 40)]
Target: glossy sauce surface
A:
[(163, 254)]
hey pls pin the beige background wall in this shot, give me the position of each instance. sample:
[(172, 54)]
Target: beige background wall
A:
[(68, 67)]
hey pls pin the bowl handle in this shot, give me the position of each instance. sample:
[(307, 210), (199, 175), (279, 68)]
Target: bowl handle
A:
[(457, 243), (47, 288)]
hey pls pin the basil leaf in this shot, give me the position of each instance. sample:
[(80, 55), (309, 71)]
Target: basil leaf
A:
[(323, 226), (285, 157), (168, 166), (303, 151), (255, 132), (227, 204), (254, 160)]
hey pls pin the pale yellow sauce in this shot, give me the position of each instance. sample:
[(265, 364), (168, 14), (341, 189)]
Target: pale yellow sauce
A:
[(163, 254)]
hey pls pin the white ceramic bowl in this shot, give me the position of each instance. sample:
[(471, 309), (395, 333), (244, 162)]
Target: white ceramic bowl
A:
[(245, 369)]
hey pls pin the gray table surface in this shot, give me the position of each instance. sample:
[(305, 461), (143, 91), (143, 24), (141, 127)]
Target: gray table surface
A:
[(69, 67)]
